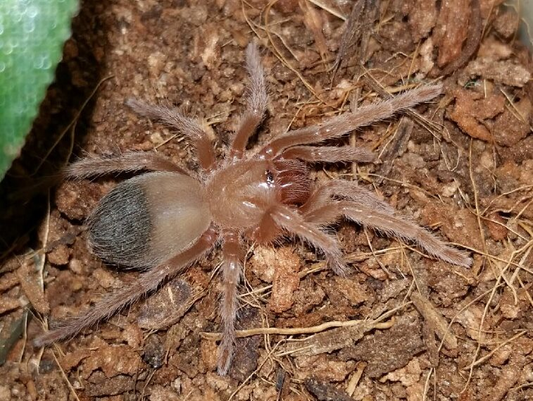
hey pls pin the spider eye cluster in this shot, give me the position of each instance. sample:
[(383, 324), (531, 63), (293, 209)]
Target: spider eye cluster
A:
[(270, 178)]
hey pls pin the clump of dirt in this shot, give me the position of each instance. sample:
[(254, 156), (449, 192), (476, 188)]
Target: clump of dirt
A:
[(399, 325)]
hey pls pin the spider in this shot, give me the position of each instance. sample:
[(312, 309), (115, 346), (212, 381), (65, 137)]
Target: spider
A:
[(167, 218)]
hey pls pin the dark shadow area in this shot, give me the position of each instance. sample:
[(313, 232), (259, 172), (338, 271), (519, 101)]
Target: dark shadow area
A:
[(24, 191)]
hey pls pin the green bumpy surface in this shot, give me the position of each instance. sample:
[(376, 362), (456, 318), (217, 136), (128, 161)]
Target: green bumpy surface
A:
[(32, 34)]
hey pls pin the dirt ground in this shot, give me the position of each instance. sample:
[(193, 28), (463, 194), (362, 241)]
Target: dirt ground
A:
[(400, 325)]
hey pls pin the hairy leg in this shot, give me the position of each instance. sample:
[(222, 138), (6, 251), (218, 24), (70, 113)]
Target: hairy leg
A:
[(339, 125), (390, 225), (126, 163), (329, 154), (256, 102), (348, 190), (189, 127), (231, 274), (147, 282), (294, 223)]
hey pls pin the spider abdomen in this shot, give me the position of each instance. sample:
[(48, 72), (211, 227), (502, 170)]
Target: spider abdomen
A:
[(147, 219)]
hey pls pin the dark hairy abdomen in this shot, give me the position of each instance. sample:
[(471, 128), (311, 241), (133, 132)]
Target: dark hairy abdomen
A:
[(119, 227)]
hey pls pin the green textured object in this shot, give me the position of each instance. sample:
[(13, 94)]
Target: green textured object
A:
[(32, 34)]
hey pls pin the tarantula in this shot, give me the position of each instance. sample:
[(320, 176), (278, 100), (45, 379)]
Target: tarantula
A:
[(164, 220)]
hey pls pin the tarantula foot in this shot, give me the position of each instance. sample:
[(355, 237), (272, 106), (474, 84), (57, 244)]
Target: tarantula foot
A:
[(225, 356), (339, 267)]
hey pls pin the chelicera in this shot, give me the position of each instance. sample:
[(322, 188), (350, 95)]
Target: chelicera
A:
[(166, 219)]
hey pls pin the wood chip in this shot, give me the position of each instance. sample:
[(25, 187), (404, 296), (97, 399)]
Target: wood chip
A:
[(169, 304), (324, 391), (435, 320), (472, 109), (505, 72), (29, 281), (8, 281), (386, 351), (286, 280)]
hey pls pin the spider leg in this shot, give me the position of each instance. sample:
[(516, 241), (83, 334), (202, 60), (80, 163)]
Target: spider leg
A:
[(231, 271), (190, 127), (390, 225), (295, 223), (348, 190), (329, 154), (339, 125), (128, 162), (256, 104), (147, 282)]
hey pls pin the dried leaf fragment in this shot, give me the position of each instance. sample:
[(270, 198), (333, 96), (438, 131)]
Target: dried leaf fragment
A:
[(315, 23), (8, 281), (102, 386), (459, 22), (451, 30), (286, 280), (496, 227), (114, 360), (513, 124), (30, 285), (422, 17), (386, 351), (504, 72), (169, 304), (508, 377), (357, 31), (325, 392), (335, 339), (472, 109), (73, 359), (435, 320)]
